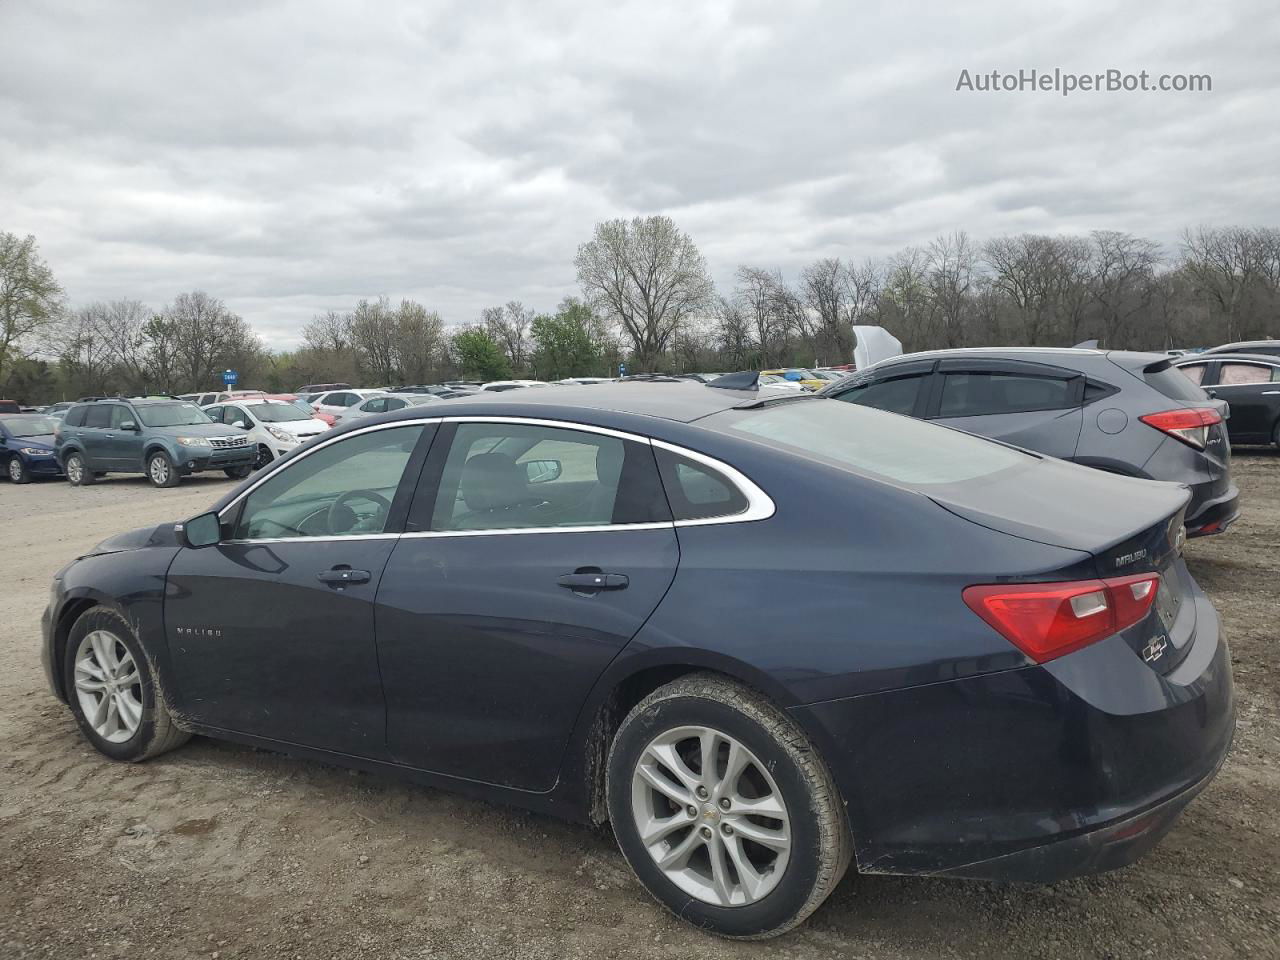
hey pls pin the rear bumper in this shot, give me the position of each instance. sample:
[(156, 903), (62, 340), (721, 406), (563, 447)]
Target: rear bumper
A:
[(1038, 773), (1213, 514)]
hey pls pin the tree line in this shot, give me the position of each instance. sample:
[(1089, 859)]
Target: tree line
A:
[(647, 299)]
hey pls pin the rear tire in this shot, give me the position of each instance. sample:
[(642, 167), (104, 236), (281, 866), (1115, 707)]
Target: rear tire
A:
[(689, 827), (238, 473), (77, 471), (161, 470), (17, 470), (114, 697), (1275, 435)]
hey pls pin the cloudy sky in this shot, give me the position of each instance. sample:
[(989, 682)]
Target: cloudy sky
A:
[(292, 157)]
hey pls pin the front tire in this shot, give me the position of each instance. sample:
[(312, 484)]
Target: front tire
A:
[(238, 473), (17, 470), (264, 457), (77, 471), (161, 470), (114, 697), (724, 810)]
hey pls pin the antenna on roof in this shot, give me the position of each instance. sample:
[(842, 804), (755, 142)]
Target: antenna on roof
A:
[(747, 380)]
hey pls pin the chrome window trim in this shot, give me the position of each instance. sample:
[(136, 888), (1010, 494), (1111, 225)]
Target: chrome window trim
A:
[(760, 505)]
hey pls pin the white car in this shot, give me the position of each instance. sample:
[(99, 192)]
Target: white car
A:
[(274, 426), (339, 402), (382, 402), (205, 399), (497, 386), (584, 380)]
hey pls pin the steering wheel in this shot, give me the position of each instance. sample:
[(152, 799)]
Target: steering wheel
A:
[(341, 518)]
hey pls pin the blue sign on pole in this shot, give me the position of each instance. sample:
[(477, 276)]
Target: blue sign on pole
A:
[(229, 377), (622, 369)]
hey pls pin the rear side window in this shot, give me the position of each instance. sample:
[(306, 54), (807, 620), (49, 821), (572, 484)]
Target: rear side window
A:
[(696, 491), (1235, 374), (902, 450), (75, 416), (99, 416), (896, 396), (981, 394), (1193, 372), (1171, 382)]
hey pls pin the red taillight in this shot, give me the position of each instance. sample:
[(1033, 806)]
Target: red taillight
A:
[(1191, 426), (1048, 620)]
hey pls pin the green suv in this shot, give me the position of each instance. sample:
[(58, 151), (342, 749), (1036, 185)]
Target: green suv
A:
[(164, 438)]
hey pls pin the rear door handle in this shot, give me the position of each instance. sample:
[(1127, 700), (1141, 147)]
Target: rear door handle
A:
[(341, 575), (594, 581), (1271, 393)]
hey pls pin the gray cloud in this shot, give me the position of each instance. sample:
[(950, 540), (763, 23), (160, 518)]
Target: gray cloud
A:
[(292, 157)]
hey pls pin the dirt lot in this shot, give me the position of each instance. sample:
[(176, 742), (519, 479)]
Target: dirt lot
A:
[(222, 851)]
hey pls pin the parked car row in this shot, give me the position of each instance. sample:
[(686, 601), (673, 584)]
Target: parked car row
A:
[(584, 601)]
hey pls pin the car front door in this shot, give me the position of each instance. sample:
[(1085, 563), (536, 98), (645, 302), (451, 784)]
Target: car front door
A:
[(95, 436), (271, 631), (123, 442), (896, 388), (1252, 390), (533, 554), (1026, 404)]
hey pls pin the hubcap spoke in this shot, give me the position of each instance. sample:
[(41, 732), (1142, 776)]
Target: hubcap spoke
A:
[(768, 806), (660, 829), (108, 685), (679, 855), (751, 880), (720, 878), (664, 786), (773, 839)]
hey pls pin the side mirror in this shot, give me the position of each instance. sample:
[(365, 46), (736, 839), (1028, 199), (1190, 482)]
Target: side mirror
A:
[(241, 424), (202, 531), (542, 471), (129, 425)]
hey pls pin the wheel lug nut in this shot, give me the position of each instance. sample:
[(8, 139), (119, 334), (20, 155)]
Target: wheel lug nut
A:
[(726, 829), (702, 793), (706, 832), (724, 804), (692, 810)]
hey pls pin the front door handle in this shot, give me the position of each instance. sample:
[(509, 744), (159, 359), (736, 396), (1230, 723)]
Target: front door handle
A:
[(1271, 393), (590, 582), (343, 575)]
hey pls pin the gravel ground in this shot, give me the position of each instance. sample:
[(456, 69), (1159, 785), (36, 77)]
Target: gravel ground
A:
[(223, 851)]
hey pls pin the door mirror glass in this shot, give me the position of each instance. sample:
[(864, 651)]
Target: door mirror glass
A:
[(128, 425), (202, 531), (542, 471), (241, 424)]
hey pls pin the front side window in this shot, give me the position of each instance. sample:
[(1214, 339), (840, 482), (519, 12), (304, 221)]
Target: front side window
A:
[(376, 405), (982, 394), (343, 489), (120, 416), (897, 395), (1239, 374), (504, 476)]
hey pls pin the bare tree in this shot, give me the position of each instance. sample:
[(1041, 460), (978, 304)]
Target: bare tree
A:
[(1237, 269), (647, 276), (509, 327), (373, 336), (951, 263), (732, 333), (30, 297), (1124, 270), (420, 343)]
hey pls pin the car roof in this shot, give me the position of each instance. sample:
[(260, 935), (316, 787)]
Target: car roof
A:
[(1062, 355), (1229, 347), (1269, 358), (683, 401)]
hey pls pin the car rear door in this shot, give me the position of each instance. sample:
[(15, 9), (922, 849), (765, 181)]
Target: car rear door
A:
[(1032, 405), (533, 554), (124, 440), (95, 436), (1252, 389)]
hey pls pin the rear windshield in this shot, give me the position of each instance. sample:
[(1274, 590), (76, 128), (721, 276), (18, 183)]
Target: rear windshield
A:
[(172, 415), (1173, 384), (895, 447)]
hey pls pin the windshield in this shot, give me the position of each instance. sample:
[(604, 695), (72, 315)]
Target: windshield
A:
[(278, 412), (870, 441), (30, 426), (172, 415)]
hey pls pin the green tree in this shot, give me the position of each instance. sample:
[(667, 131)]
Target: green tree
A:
[(30, 297), (567, 342), (479, 356)]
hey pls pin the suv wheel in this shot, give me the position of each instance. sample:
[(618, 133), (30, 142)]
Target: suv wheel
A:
[(238, 473), (77, 471), (724, 810), (161, 470), (18, 470), (116, 702)]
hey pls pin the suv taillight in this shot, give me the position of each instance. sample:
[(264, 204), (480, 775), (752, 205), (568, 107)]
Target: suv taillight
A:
[(1190, 426), (1048, 620)]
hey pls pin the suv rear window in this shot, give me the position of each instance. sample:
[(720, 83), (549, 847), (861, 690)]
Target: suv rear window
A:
[(869, 441), (1170, 382)]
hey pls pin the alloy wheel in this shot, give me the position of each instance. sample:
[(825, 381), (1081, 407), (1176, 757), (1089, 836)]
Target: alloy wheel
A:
[(75, 470), (15, 469), (159, 471), (109, 686), (711, 816)]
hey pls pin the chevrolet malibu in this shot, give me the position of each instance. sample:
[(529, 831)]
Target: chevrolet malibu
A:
[(584, 603)]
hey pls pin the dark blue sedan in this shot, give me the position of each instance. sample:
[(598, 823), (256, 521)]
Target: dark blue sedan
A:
[(586, 603), (26, 447)]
